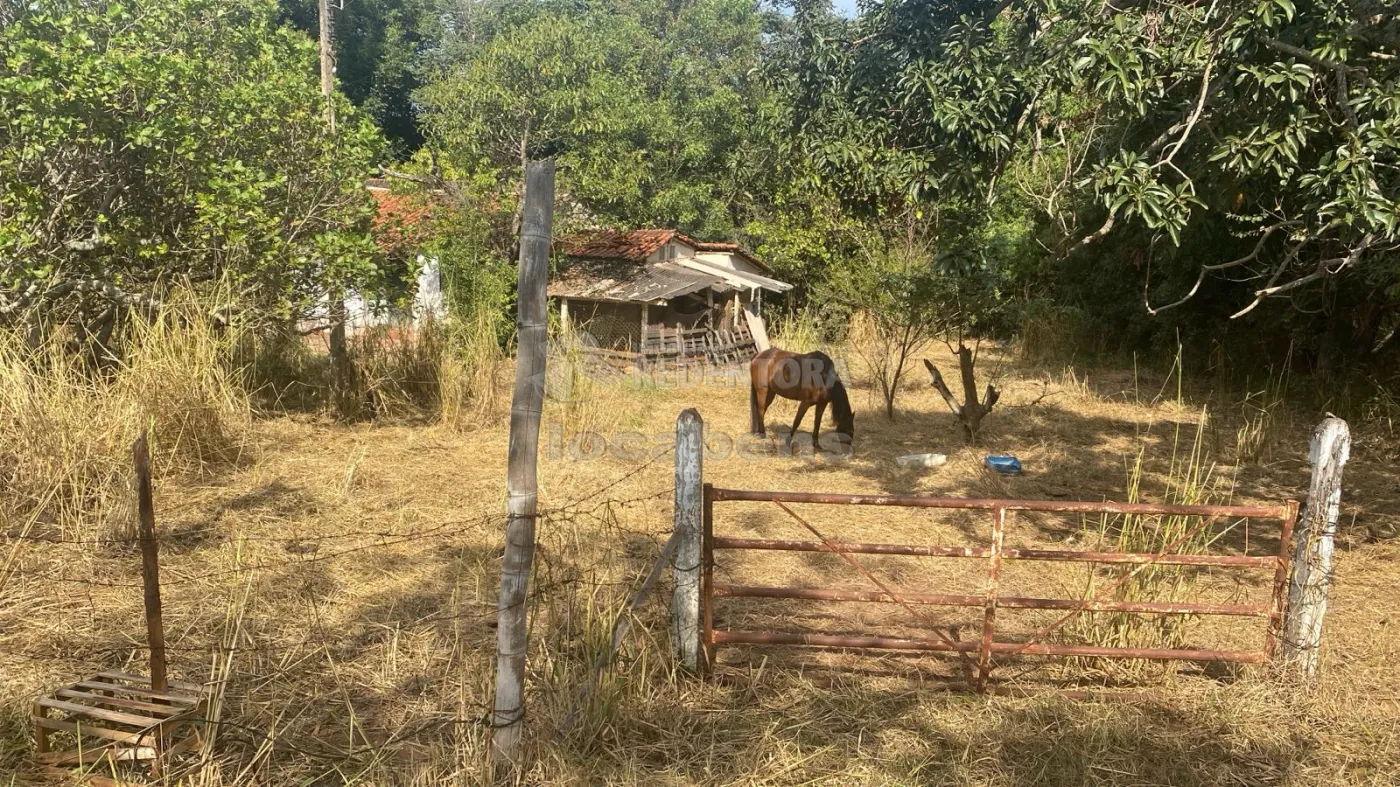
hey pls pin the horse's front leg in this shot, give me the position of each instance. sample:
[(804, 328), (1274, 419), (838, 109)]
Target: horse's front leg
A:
[(817, 428)]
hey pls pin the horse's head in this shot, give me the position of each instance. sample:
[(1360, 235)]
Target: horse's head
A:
[(847, 426), (841, 412)]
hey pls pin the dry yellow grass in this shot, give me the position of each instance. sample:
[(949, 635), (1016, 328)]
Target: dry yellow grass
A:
[(340, 593)]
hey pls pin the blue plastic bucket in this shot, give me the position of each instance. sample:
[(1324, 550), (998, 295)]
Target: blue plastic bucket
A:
[(1006, 464)]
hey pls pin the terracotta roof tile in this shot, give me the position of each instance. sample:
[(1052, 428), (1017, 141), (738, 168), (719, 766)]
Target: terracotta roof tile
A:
[(636, 245), (730, 248), (402, 221)]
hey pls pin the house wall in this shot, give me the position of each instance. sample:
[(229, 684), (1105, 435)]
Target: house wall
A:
[(682, 249), (731, 261)]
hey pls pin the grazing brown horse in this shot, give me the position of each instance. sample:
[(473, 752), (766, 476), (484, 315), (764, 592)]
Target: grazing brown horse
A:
[(809, 379)]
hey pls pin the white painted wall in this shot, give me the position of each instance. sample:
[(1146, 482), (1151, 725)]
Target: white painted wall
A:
[(731, 261), (429, 303), (682, 248)]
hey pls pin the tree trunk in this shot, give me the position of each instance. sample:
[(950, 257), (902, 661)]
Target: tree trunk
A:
[(507, 719), (970, 412), (340, 356), (327, 58)]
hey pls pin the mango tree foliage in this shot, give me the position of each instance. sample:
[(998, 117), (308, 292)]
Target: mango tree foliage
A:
[(145, 143), (913, 106), (1282, 117), (644, 105), (903, 119)]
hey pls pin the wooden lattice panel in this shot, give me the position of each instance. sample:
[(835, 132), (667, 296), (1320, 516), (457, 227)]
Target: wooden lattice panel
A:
[(117, 717)]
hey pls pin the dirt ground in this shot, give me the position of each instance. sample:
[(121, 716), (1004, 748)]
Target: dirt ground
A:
[(338, 588)]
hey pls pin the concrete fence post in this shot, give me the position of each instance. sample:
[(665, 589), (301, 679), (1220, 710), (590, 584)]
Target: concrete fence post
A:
[(685, 602), (1312, 557)]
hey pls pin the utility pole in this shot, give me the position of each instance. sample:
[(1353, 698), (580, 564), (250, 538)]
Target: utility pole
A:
[(327, 58), (340, 356)]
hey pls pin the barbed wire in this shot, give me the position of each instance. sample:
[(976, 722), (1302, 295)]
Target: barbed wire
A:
[(594, 506)]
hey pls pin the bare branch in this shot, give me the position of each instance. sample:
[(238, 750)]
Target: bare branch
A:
[(1321, 271), (435, 181), (1045, 393), (990, 399), (1096, 235), (1195, 114), (1253, 255), (942, 388)]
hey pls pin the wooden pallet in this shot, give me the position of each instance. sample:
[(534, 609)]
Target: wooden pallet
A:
[(117, 717)]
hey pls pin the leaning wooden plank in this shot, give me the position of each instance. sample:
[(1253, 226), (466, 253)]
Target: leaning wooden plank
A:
[(193, 741), (140, 722)]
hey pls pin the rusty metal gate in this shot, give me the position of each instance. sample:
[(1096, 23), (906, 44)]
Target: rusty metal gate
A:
[(980, 653)]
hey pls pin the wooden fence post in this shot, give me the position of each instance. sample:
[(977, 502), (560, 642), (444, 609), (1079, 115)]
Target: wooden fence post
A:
[(507, 718), (1312, 555), (685, 603), (150, 561)]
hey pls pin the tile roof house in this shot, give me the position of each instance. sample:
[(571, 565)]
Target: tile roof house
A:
[(659, 292)]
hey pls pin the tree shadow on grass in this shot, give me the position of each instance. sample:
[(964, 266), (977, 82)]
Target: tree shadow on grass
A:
[(772, 725)]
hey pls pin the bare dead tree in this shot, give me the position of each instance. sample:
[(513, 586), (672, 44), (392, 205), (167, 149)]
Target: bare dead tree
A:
[(970, 411)]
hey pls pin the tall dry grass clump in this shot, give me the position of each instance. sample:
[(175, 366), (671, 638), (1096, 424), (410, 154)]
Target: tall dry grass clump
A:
[(1052, 334), (469, 370), (797, 331), (1190, 480), (1264, 421), (67, 424), (442, 370)]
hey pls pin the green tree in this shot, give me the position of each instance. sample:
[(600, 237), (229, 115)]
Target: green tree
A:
[(152, 142), (380, 46), (1284, 118), (644, 105)]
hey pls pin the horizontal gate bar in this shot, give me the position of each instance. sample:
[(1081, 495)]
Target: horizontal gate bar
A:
[(1064, 506), (890, 643), (1248, 561), (838, 641), (1011, 602), (725, 542)]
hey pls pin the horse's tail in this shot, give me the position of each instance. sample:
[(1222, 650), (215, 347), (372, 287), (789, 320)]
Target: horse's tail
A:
[(755, 420)]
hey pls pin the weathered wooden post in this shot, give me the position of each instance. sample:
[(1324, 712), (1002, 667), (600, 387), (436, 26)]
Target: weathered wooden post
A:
[(150, 562), (114, 716), (1312, 555), (685, 603), (507, 720)]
